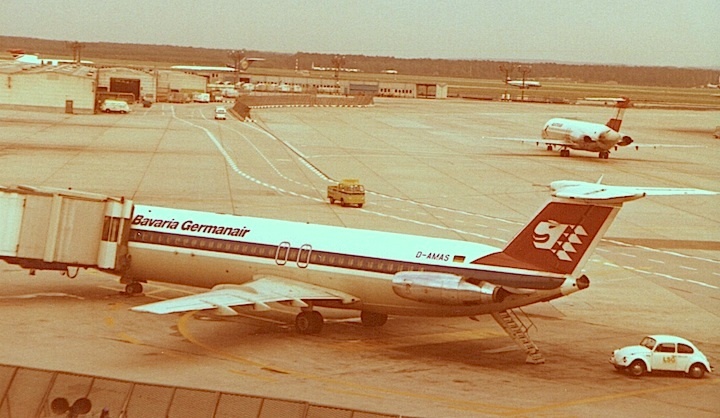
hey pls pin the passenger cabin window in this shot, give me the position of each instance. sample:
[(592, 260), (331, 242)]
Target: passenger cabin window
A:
[(666, 348), (685, 349)]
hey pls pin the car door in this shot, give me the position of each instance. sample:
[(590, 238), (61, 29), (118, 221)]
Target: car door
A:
[(684, 354), (664, 357)]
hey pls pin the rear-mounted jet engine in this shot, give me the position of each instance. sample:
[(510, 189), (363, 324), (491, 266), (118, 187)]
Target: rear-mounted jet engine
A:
[(445, 289)]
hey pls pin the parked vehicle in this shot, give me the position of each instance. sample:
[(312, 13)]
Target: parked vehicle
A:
[(661, 352), (201, 97), (347, 192), (119, 106)]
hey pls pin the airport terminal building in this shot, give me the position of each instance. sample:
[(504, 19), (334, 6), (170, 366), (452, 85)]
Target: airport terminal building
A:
[(77, 88)]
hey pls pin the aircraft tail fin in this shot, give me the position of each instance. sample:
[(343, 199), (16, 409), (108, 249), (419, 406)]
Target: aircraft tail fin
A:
[(563, 234), (615, 122), (559, 238)]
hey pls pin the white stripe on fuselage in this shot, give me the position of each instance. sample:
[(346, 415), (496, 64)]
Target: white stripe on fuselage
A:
[(368, 243)]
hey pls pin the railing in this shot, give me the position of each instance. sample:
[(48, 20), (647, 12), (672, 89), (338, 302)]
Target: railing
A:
[(26, 392)]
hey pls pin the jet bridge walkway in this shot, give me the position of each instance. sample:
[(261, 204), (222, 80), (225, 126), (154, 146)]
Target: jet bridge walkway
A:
[(46, 228)]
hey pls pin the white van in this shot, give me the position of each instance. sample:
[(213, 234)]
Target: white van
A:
[(201, 97), (120, 106), (220, 113)]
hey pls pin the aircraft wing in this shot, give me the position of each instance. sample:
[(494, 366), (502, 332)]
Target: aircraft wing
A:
[(258, 293), (636, 145), (585, 191), (536, 141)]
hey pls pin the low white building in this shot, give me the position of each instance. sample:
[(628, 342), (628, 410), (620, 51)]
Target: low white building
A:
[(173, 81), (66, 88)]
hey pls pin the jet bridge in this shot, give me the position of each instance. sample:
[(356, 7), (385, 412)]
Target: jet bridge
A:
[(43, 228)]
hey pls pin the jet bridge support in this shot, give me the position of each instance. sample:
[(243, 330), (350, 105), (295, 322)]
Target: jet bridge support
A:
[(43, 228)]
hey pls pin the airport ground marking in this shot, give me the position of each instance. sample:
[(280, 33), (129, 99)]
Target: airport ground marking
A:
[(611, 397), (304, 159), (236, 169), (454, 403)]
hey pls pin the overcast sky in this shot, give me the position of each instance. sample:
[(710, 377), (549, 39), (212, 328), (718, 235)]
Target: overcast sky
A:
[(631, 32)]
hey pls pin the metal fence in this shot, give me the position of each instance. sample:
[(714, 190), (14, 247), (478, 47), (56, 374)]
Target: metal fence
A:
[(43, 393)]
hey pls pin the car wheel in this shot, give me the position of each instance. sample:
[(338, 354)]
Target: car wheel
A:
[(636, 368), (696, 371)]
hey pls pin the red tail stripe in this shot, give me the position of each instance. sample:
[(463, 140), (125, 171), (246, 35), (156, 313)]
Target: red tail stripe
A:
[(555, 241)]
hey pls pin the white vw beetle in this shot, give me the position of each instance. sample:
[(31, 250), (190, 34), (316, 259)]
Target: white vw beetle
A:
[(661, 352)]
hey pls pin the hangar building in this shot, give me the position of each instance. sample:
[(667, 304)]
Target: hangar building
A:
[(155, 85), (69, 87), (127, 81)]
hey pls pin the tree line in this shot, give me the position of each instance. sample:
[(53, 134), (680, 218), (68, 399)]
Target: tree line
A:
[(475, 69)]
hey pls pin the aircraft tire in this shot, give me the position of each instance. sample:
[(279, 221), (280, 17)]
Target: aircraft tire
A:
[(373, 319), (134, 288), (310, 322)]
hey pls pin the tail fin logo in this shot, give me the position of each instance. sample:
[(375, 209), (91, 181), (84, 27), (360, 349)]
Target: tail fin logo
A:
[(558, 238)]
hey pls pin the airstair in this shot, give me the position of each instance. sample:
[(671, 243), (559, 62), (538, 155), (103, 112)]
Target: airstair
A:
[(43, 228), (518, 331)]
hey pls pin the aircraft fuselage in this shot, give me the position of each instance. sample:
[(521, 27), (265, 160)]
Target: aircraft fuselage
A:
[(206, 249), (580, 135)]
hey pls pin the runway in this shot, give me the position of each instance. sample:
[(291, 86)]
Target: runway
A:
[(427, 173)]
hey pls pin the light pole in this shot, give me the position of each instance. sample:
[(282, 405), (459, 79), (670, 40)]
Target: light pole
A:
[(238, 57), (76, 47), (524, 69), (507, 70), (338, 62)]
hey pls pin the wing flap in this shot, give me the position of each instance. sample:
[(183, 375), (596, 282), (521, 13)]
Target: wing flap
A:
[(536, 141), (259, 293)]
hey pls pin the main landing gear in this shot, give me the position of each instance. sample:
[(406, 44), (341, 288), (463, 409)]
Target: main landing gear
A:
[(311, 322), (564, 152), (134, 288), (604, 155)]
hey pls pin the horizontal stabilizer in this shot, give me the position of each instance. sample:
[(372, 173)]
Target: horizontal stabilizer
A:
[(584, 191)]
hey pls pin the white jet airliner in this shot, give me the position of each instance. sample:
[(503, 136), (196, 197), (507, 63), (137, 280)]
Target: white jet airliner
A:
[(36, 60), (256, 263), (243, 65), (523, 84), (567, 134)]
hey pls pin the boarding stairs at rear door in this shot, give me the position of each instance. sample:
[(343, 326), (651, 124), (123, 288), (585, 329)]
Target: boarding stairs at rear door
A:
[(518, 331)]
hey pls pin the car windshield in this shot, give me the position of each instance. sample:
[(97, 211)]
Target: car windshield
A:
[(648, 342)]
